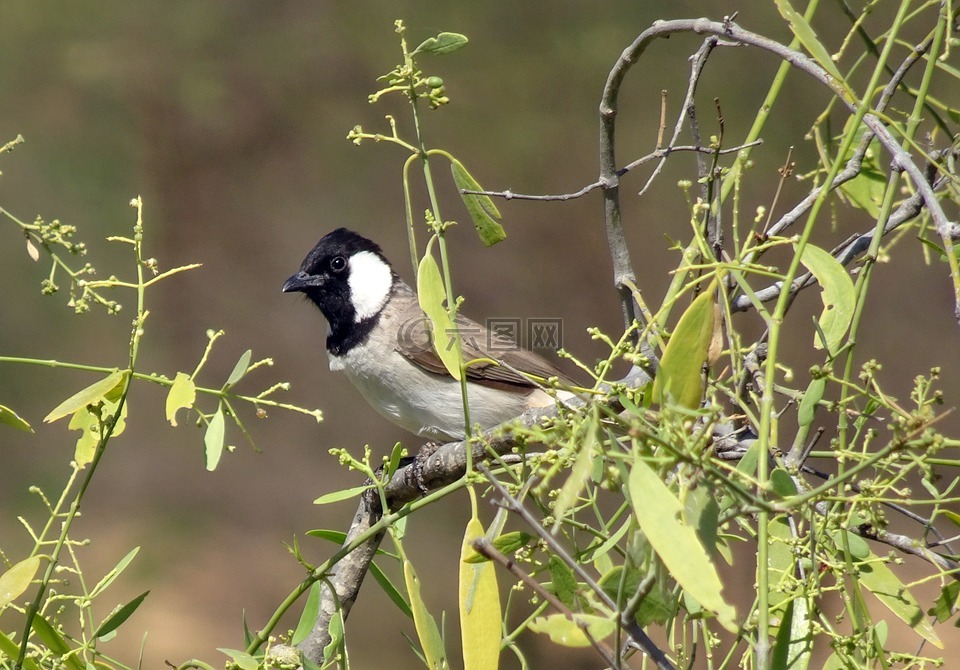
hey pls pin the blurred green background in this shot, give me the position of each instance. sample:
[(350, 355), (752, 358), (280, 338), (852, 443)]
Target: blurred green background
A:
[(230, 119)]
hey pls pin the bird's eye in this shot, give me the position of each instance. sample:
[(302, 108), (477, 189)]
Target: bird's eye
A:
[(338, 263)]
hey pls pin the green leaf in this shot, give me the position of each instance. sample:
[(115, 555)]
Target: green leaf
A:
[(335, 536), (90, 424), (859, 549), (782, 483), (794, 642), (481, 208), (244, 660), (567, 633), (335, 629), (55, 643), (213, 440), (17, 579), (877, 578), (658, 606), (88, 396), (392, 591), (579, 473), (345, 494), (945, 603), (780, 560), (432, 296), (11, 418), (115, 620), (808, 38), (679, 378), (563, 580), (182, 395), (480, 610), (442, 44), (839, 296), (109, 578), (811, 398), (11, 649), (427, 631), (309, 616), (702, 512), (951, 515), (506, 544), (657, 511), (239, 370)]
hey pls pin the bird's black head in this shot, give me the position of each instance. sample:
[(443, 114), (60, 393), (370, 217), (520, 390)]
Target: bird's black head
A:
[(350, 280)]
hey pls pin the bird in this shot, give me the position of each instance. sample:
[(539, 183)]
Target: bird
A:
[(380, 338)]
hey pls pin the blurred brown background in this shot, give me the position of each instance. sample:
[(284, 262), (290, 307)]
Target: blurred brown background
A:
[(230, 118)]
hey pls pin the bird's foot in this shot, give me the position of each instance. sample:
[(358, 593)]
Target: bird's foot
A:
[(419, 461)]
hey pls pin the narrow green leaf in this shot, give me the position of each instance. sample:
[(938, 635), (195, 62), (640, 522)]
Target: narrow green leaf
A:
[(244, 660), (182, 395), (11, 649), (794, 642), (427, 631), (335, 536), (345, 494), (239, 370), (213, 440), (442, 44), (481, 208), (657, 511), (109, 578), (808, 38), (115, 620), (839, 296), (392, 591), (877, 578), (811, 398), (781, 562), (51, 637), (309, 615), (506, 544), (432, 297), (11, 418), (563, 580), (87, 396), (330, 651), (579, 473), (480, 610), (951, 515), (567, 633), (17, 579), (679, 377)]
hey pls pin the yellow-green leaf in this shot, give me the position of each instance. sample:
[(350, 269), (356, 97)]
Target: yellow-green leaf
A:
[(679, 377), (17, 579), (90, 424), (89, 396), (811, 398), (345, 494), (481, 208), (11, 418), (839, 296), (432, 297), (808, 38), (442, 44), (430, 640), (877, 578), (183, 393), (213, 440), (480, 610), (567, 633), (239, 370), (657, 511)]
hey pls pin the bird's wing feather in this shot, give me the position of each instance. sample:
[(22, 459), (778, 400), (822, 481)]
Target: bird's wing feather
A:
[(478, 342)]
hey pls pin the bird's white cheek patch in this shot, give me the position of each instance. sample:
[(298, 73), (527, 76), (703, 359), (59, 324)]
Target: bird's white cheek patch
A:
[(370, 282)]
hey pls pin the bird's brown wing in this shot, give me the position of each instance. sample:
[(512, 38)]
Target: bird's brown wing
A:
[(478, 343)]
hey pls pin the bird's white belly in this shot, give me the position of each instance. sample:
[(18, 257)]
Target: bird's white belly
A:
[(424, 403)]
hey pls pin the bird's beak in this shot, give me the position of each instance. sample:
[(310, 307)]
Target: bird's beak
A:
[(301, 281)]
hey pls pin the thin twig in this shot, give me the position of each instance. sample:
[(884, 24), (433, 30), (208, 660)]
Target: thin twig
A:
[(660, 153)]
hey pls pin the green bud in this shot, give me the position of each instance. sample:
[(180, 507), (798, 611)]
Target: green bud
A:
[(434, 82)]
